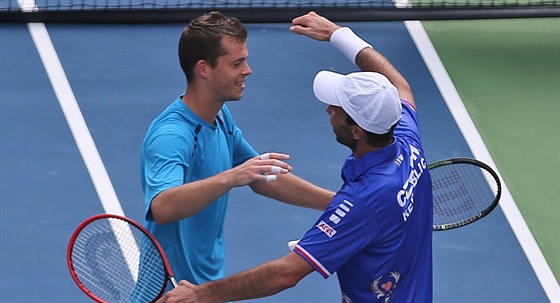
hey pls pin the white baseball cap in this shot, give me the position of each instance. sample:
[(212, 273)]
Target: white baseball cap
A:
[(369, 98)]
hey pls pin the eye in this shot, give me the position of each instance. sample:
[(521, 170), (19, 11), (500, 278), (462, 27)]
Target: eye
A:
[(238, 63)]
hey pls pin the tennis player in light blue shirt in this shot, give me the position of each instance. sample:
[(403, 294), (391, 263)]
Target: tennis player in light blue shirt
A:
[(181, 148), (193, 154)]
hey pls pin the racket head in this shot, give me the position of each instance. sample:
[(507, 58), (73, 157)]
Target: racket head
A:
[(465, 190), (114, 259)]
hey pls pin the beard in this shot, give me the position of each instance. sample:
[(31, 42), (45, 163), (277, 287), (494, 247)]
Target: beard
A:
[(349, 142)]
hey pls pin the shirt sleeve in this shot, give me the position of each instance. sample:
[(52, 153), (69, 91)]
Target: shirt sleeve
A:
[(409, 124), (165, 162), (343, 230)]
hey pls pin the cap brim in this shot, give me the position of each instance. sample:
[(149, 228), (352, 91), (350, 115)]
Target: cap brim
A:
[(324, 87)]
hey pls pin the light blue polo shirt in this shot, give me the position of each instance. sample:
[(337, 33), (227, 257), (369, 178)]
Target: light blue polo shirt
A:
[(179, 148), (376, 234)]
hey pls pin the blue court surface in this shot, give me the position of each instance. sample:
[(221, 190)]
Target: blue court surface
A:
[(122, 76)]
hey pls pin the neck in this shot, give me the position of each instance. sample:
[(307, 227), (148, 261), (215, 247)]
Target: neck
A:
[(359, 152), (362, 148), (202, 105)]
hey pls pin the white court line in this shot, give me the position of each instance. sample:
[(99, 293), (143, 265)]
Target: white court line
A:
[(75, 119), (479, 150), (27, 6), (82, 136)]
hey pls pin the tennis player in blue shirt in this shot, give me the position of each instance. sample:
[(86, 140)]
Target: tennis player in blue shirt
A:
[(376, 233), (194, 153)]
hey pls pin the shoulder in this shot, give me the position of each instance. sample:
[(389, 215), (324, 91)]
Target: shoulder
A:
[(171, 127), (408, 108)]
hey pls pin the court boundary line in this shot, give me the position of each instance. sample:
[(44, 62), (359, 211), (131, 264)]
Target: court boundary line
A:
[(75, 119), (478, 148)]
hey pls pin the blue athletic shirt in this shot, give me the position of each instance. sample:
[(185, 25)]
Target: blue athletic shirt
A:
[(376, 233), (179, 148)]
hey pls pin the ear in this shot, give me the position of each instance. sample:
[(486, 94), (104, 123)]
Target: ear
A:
[(202, 68), (357, 132)]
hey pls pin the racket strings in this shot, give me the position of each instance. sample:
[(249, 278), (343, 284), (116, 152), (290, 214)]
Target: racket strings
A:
[(461, 192), (117, 262)]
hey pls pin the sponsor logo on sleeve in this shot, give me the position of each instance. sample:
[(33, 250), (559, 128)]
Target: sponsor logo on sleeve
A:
[(327, 229), (338, 215)]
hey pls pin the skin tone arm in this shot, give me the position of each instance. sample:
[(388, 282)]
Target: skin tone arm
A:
[(186, 200), (294, 190), (261, 281), (319, 28)]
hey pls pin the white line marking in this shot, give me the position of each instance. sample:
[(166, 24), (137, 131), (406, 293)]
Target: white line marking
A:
[(75, 119), (479, 150), (402, 3), (83, 138), (131, 253), (27, 6)]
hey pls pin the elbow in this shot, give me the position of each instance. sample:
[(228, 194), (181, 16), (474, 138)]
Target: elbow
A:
[(162, 221), (290, 281), (159, 212), (292, 270), (159, 216)]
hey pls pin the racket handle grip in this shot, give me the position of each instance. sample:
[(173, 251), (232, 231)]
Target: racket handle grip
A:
[(173, 281)]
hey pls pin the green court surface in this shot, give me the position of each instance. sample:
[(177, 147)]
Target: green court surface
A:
[(507, 73)]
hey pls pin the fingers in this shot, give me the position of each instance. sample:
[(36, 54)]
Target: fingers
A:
[(272, 165), (278, 170), (184, 292), (304, 20), (279, 156), (265, 167), (303, 25), (270, 178), (313, 26), (275, 170)]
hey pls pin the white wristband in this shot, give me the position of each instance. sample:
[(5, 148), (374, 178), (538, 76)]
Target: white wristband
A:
[(346, 41)]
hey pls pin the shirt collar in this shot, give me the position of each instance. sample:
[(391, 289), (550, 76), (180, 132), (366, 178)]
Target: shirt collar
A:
[(353, 167)]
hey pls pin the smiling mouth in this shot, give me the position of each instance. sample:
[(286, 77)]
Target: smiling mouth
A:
[(241, 84)]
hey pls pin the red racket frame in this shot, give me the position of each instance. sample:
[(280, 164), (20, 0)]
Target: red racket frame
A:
[(82, 225)]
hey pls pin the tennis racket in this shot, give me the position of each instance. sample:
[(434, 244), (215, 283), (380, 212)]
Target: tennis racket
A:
[(465, 190), (114, 259)]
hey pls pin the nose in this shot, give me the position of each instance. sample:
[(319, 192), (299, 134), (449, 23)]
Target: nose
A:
[(247, 70)]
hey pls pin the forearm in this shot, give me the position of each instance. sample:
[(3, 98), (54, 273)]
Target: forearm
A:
[(353, 47), (188, 199), (296, 191), (260, 281), (368, 59)]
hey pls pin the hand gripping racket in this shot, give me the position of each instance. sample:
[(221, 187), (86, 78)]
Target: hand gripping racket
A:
[(114, 259), (465, 190)]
